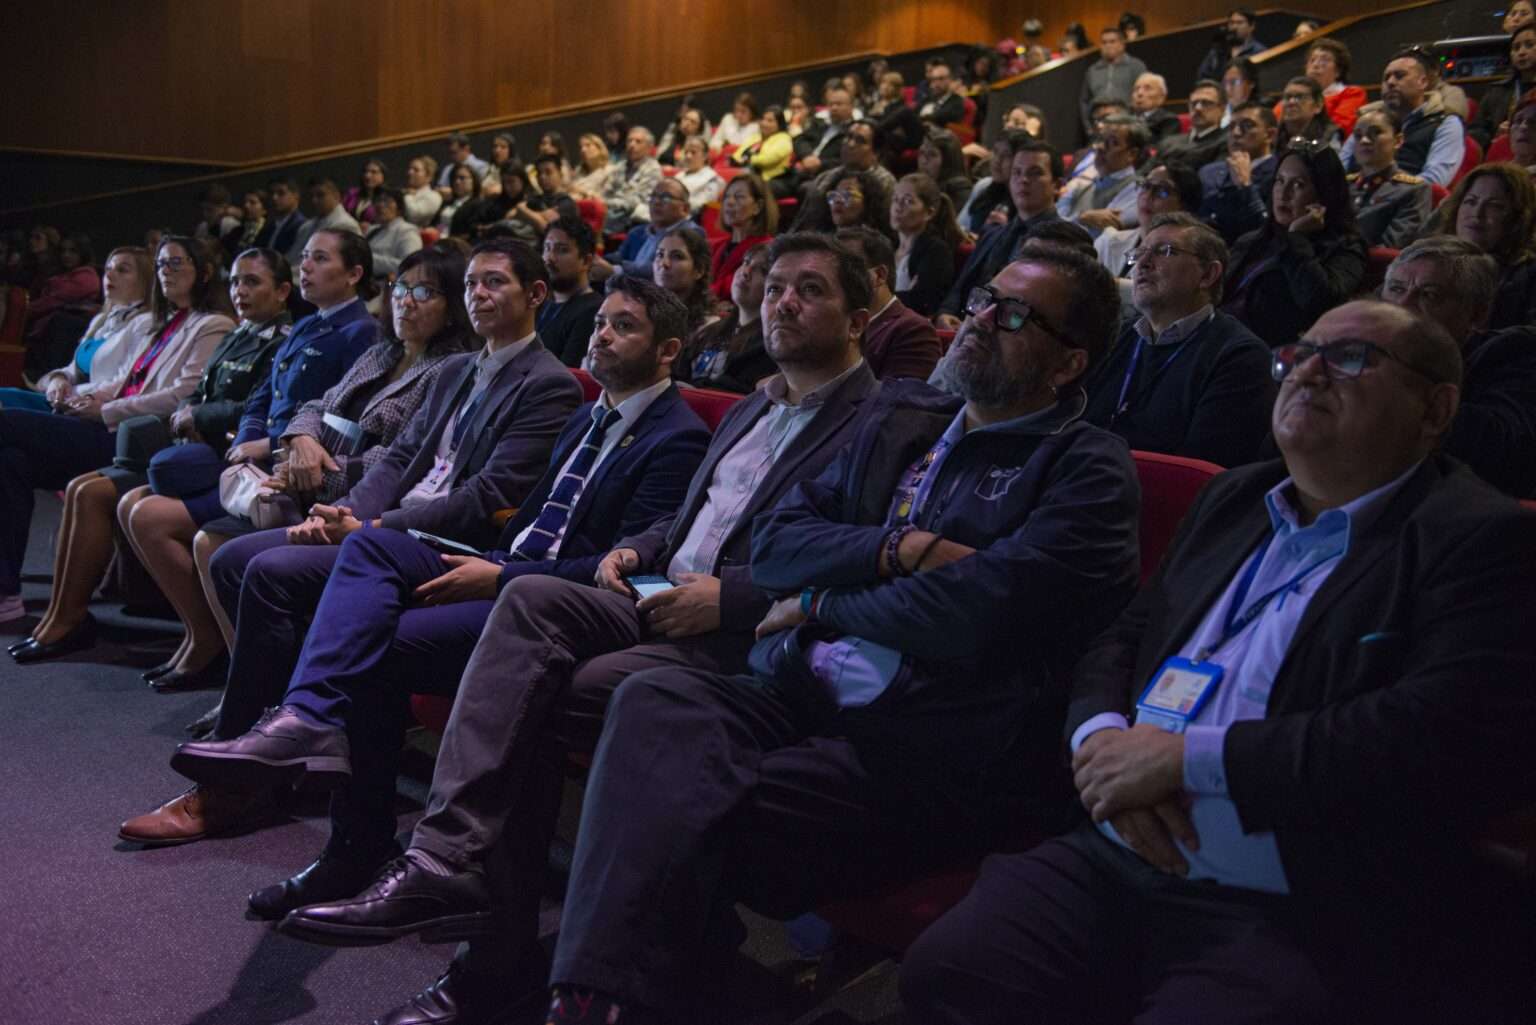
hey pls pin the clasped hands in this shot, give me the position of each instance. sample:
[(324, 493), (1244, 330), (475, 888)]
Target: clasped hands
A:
[(1134, 780), (687, 610)]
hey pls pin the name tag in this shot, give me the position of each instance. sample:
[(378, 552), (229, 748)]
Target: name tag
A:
[(439, 473), (1179, 689)]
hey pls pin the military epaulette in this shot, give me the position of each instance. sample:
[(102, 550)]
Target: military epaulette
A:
[(1404, 178), (1352, 177)]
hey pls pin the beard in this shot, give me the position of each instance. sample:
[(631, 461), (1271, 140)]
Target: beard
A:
[(615, 373), (977, 372), (565, 283)]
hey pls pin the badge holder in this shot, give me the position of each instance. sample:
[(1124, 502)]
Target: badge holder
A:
[(1177, 693)]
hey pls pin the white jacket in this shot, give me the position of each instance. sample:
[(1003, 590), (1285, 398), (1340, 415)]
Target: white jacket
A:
[(175, 372)]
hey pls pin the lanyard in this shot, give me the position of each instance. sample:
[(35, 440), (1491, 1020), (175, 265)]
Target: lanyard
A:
[(912, 494), (146, 360), (1238, 621), (1121, 404)]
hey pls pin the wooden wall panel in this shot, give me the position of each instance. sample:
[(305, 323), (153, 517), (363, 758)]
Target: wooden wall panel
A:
[(239, 80)]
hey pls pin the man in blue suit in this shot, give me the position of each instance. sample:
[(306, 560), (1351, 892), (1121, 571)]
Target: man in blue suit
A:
[(398, 615)]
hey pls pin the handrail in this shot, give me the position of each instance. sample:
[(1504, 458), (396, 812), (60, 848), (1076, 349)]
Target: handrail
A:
[(138, 158), (268, 163), (1291, 45)]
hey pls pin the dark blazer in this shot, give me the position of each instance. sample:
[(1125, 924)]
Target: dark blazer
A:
[(1232, 209), (1514, 304), (742, 606), (1495, 427), (932, 266), (1193, 151), (508, 442), (243, 358), (993, 252), (641, 481), (311, 359), (1279, 282), (281, 239), (1401, 717)]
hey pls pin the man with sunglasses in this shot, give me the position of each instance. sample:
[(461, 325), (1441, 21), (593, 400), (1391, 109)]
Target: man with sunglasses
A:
[(1291, 740), (933, 585), (1183, 379)]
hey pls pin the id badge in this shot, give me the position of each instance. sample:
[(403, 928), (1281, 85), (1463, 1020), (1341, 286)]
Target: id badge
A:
[(1178, 691), (439, 471)]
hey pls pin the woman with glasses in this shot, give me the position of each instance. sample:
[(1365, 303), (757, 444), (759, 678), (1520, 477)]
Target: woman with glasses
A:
[(259, 287), (1391, 206), (750, 213), (1309, 256), (1240, 83), (329, 444), (1501, 99), (1328, 62), (1494, 208), (1301, 114), (50, 449)]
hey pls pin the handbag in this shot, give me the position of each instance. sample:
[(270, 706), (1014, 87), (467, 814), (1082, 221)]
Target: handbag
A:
[(242, 493)]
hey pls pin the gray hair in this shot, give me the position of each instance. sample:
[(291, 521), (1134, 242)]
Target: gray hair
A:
[(1154, 77), (1203, 239), (1474, 274), (650, 136), (1137, 135)]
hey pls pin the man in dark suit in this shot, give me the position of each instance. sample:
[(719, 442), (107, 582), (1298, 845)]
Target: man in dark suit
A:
[(479, 443), (1330, 678), (397, 615), (1206, 141), (934, 583), (282, 227), (1034, 173), (1237, 186), (554, 650)]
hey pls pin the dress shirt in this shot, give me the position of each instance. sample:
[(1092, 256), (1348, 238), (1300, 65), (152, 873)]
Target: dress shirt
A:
[(331, 311), (1176, 332), (1250, 661), (630, 411), (1122, 202), (855, 670), (439, 479), (741, 470), (476, 164)]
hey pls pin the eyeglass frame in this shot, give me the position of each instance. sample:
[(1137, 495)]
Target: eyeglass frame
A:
[(1011, 308), (1335, 371), (399, 290), (174, 262)]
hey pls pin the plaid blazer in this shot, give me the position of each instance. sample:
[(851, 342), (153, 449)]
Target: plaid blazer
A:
[(389, 407)]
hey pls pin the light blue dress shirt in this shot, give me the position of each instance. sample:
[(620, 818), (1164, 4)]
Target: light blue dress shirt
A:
[(1250, 660)]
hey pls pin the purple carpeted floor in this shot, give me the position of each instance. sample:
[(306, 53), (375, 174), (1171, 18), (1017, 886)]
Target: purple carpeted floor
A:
[(98, 932)]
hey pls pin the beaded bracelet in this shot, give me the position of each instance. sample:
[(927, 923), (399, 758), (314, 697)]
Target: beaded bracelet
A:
[(892, 545)]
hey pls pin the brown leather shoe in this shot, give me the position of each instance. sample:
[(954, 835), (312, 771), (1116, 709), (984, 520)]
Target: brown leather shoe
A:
[(201, 812)]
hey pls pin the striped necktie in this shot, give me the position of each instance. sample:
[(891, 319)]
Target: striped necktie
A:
[(562, 498)]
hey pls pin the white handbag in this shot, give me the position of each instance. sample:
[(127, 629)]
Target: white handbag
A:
[(241, 493)]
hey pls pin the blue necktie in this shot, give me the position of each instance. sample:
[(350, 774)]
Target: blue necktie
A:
[(562, 498)]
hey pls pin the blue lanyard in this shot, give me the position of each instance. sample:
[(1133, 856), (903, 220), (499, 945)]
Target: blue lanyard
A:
[(912, 494), (1238, 621), (1121, 405)]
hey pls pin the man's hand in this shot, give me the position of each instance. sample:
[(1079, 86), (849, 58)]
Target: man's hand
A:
[(307, 462), (687, 610), (1151, 833), (326, 525), (1240, 164), (616, 565), (947, 321), (784, 614), (1098, 220), (249, 451), (471, 579), (1128, 770)]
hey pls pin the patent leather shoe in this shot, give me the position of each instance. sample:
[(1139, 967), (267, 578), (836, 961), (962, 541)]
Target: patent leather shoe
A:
[(174, 681), (280, 749), (155, 672), (462, 997), (404, 899), (81, 637)]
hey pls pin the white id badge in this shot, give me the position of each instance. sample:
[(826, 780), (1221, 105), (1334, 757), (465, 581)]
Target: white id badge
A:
[(439, 472), (1178, 691)]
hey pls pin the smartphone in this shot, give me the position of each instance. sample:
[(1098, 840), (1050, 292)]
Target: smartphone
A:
[(645, 586), (442, 544)]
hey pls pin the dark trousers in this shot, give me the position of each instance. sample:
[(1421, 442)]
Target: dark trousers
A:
[(268, 588), (1081, 930), (39, 450), (709, 789), (537, 687)]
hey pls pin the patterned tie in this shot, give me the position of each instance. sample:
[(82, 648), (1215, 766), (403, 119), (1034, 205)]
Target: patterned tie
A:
[(562, 498)]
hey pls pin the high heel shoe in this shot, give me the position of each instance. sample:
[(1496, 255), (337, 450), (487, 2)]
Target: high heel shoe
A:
[(177, 680), (204, 724), (81, 637), (150, 675)]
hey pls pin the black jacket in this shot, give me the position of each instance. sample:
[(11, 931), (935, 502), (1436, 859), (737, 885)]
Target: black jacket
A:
[(1495, 427), (1514, 305), (932, 266), (1280, 281)]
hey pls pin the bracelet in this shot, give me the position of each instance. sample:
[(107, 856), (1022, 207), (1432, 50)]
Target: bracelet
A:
[(809, 599), (927, 551), (892, 546)]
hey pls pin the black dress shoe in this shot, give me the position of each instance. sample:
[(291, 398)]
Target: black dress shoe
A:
[(330, 877), (81, 637), (15, 646), (212, 675), (155, 672), (204, 724), (404, 900), (280, 749), (461, 997)]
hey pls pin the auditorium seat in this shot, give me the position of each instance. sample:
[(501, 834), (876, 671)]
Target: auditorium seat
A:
[(13, 353), (946, 336), (1499, 150), (1184, 123), (1376, 263), (1437, 194), (594, 212), (709, 220), (965, 128), (893, 917), (1473, 157)]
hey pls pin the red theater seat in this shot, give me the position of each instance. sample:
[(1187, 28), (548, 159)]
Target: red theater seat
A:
[(1377, 260), (1473, 157), (946, 338), (13, 353)]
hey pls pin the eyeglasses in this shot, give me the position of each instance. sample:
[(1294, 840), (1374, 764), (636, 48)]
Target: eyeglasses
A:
[(419, 293), (172, 263), (1302, 144), (1163, 250), (1296, 97), (1344, 358), (1011, 315), (839, 197), (662, 196), (1159, 190)]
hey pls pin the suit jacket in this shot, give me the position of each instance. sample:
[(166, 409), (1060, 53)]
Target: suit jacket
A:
[(742, 606), (1401, 716), (174, 373), (508, 441), (314, 356), (1495, 427), (1233, 209), (392, 243), (993, 252), (901, 343), (1195, 151), (641, 481), (1280, 282), (281, 238)]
